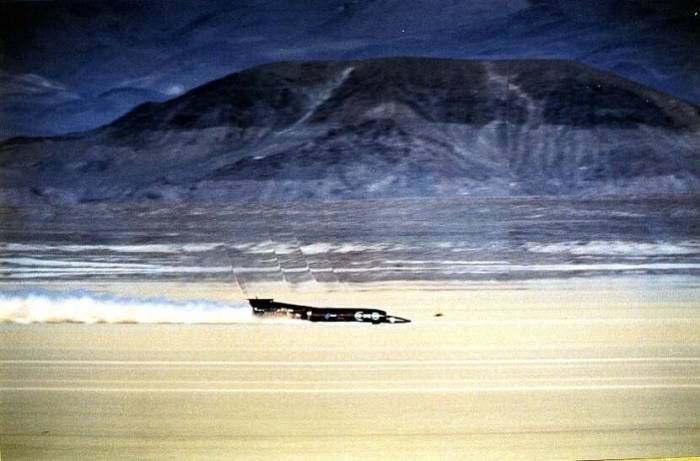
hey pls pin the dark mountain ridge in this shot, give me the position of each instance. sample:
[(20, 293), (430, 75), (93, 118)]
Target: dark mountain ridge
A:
[(391, 127)]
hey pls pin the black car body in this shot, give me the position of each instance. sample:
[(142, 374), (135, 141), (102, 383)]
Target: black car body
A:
[(269, 306)]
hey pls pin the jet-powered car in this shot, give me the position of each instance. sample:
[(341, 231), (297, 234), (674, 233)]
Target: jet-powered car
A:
[(323, 314)]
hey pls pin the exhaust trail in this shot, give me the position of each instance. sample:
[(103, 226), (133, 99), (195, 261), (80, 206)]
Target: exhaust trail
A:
[(88, 307)]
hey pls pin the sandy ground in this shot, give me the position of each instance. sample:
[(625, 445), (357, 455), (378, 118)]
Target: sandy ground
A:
[(549, 371)]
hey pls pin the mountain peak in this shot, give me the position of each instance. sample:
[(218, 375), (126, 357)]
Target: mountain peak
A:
[(400, 126)]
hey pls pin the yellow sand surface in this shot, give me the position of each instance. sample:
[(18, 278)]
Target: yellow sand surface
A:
[(560, 371)]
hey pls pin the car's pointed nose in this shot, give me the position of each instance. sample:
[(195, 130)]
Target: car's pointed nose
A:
[(394, 319)]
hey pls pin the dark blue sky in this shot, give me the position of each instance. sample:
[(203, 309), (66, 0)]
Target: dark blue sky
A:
[(67, 66)]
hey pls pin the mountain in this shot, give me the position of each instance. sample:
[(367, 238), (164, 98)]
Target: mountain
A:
[(390, 127), (83, 48)]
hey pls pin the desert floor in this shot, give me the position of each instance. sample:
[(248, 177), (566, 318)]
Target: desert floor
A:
[(562, 370)]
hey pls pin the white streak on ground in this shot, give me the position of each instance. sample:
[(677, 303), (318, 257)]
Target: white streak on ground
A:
[(380, 390), (364, 363)]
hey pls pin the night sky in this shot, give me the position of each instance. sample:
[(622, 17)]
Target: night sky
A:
[(67, 66)]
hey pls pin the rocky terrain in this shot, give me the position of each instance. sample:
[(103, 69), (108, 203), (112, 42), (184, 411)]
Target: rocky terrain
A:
[(391, 127)]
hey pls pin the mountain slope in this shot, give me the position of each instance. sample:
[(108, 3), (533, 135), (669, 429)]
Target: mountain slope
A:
[(375, 128)]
